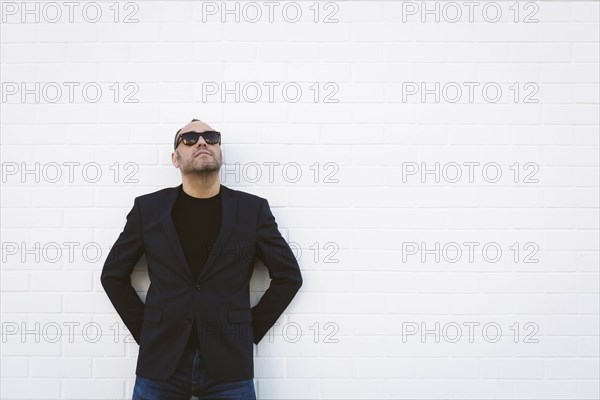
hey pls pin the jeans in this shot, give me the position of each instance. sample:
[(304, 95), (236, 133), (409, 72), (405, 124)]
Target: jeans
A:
[(191, 379)]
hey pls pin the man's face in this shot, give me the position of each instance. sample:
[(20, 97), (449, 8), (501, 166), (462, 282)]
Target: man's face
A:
[(199, 158)]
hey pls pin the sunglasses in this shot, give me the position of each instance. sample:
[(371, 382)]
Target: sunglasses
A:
[(191, 138)]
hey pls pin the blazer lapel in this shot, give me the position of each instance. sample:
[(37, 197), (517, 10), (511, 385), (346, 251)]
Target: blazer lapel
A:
[(166, 205), (228, 214)]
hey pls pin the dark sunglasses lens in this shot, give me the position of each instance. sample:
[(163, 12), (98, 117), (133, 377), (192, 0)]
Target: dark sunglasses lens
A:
[(190, 138), (211, 137)]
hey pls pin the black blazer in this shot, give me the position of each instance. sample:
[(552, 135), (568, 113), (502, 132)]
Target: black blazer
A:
[(219, 299)]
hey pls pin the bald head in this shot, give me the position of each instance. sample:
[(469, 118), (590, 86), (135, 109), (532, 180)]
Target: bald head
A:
[(199, 157), (195, 125)]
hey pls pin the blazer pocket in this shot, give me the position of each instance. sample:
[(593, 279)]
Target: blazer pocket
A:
[(152, 314), (240, 315)]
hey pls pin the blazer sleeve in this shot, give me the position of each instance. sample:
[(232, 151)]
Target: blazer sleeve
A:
[(115, 277), (283, 269)]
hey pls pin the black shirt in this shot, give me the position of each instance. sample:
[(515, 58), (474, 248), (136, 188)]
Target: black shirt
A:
[(198, 222)]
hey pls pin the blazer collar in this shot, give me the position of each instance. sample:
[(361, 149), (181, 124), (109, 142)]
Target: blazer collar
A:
[(228, 215)]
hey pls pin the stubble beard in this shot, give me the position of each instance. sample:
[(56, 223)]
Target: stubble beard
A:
[(195, 167)]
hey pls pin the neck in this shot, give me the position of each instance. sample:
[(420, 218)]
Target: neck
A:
[(201, 185)]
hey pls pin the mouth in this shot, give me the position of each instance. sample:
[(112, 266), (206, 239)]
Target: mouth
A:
[(202, 153)]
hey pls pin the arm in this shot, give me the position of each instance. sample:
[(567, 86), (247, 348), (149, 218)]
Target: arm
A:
[(283, 269), (115, 277)]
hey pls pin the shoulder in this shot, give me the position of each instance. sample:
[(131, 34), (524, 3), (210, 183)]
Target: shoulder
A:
[(242, 196), (157, 197), (158, 193)]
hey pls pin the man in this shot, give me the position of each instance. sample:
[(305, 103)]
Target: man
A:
[(196, 329)]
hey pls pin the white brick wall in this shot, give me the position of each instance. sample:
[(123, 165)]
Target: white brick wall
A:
[(72, 166)]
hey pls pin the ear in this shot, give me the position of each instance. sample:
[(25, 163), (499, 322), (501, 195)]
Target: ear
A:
[(174, 160)]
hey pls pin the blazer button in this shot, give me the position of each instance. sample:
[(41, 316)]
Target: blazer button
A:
[(197, 286)]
